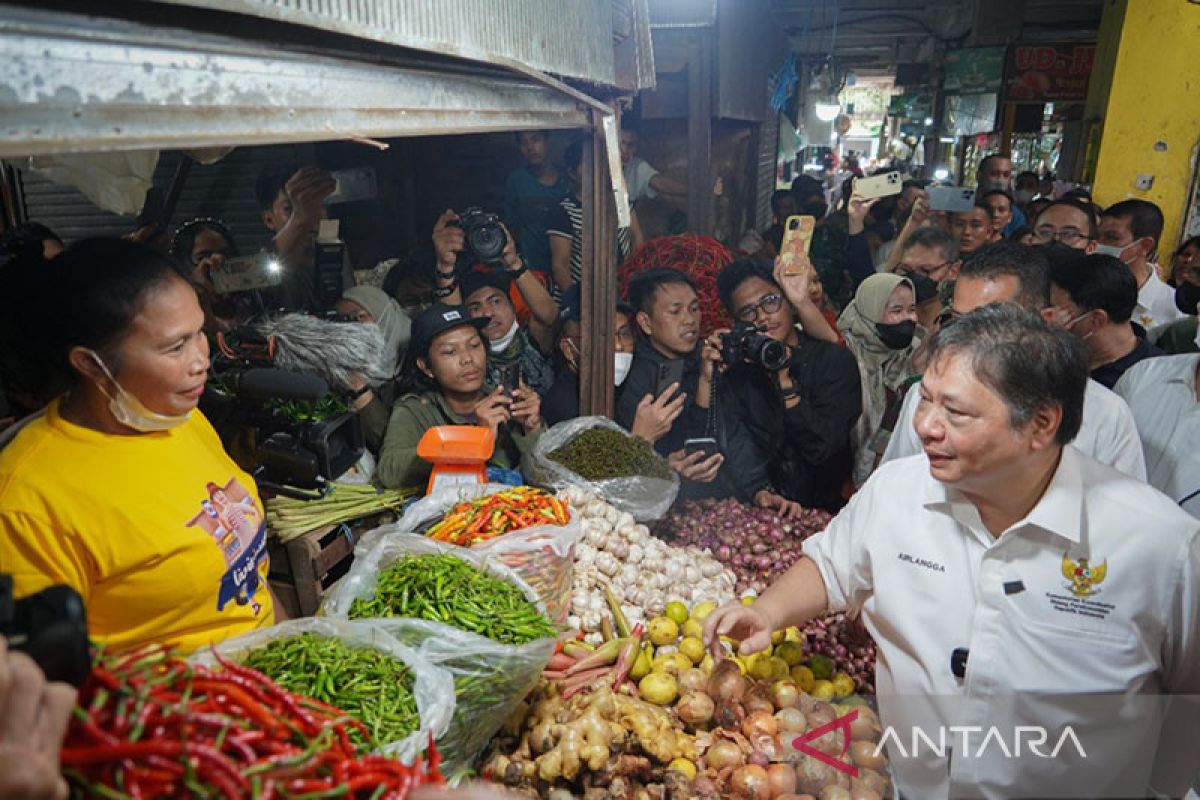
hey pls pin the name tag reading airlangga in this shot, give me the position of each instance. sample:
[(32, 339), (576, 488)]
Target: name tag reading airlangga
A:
[(921, 562)]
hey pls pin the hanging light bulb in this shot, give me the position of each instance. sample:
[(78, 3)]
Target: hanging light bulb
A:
[(827, 109)]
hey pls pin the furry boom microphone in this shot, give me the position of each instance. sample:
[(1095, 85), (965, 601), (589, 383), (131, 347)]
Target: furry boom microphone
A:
[(337, 351)]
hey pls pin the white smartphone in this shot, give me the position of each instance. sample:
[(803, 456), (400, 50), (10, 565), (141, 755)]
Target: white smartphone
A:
[(353, 184), (885, 185), (951, 198), (241, 274)]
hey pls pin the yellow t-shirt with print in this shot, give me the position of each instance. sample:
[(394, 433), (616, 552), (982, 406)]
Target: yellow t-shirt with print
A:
[(161, 533)]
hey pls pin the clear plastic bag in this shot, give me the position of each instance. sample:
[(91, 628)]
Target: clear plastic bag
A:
[(543, 556), (433, 686), (490, 678), (648, 499)]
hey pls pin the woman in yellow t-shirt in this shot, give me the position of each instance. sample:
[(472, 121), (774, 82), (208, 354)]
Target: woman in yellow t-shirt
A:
[(120, 488)]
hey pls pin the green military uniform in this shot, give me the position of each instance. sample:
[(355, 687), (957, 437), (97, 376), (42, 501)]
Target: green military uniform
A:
[(399, 465), (536, 369)]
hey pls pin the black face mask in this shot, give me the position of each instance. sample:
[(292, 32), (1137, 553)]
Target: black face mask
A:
[(898, 335), (1187, 297), (924, 288)]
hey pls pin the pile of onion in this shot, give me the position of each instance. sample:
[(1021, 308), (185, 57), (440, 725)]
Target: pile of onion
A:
[(848, 644)]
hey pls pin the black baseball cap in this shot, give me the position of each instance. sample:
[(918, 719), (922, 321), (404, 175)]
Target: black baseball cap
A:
[(476, 280), (571, 305), (439, 318)]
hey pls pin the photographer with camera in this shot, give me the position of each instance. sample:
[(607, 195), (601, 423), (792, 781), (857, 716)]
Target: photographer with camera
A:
[(120, 488), (797, 396), (491, 294), (442, 382)]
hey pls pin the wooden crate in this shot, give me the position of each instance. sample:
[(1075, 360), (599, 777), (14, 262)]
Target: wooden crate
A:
[(303, 569)]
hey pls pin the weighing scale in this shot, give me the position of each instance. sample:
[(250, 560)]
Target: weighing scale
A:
[(459, 454)]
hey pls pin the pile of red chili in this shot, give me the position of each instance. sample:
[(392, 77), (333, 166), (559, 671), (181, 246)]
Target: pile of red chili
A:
[(699, 257), (150, 724), (474, 521)]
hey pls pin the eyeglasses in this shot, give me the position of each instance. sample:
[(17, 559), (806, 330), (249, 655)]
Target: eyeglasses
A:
[(925, 271), (769, 305), (1068, 236)]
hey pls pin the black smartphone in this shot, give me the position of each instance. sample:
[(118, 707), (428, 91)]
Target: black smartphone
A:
[(668, 372), (510, 378), (706, 445)]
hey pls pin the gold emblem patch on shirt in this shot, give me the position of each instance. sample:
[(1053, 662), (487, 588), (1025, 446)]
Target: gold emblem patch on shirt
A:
[(1084, 579)]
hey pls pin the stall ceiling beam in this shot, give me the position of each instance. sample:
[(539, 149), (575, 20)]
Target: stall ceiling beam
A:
[(571, 38), (66, 86)]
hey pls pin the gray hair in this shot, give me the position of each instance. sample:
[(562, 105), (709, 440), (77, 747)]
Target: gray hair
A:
[(1024, 360), (936, 238)]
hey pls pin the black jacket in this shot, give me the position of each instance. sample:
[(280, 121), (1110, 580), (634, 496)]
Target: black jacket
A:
[(643, 380), (803, 452)]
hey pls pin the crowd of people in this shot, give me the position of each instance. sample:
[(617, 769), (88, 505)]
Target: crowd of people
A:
[(1026, 342)]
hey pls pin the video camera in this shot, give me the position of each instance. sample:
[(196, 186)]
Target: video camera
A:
[(484, 234), (747, 343), (50, 627), (283, 427)]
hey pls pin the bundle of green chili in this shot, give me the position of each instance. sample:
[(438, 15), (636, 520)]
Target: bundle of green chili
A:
[(442, 588), (371, 686), (602, 453), (150, 724)]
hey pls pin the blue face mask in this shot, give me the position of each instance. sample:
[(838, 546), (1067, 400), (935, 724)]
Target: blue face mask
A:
[(131, 412)]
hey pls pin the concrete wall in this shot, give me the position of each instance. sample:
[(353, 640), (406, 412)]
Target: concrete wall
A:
[(1150, 104)]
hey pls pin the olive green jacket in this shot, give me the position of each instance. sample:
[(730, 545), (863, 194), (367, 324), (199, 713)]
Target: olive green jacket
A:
[(400, 466)]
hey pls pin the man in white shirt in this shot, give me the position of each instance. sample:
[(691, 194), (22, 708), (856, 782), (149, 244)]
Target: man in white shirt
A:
[(1016, 588), (1130, 230), (1164, 396), (641, 179), (1007, 272)]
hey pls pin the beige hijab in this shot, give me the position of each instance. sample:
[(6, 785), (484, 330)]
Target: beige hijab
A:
[(883, 367), (391, 319)]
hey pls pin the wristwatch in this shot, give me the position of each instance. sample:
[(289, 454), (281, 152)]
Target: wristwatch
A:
[(513, 274), (789, 393), (352, 396), (445, 291)]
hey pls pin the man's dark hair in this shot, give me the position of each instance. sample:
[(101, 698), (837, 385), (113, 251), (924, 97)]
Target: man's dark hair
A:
[(270, 183), (805, 186), (644, 286), (913, 183), (1023, 262), (935, 238), (1002, 193), (185, 238), (983, 162), (1024, 360), (1145, 218), (734, 275), (1087, 210), (978, 204), (1195, 240), (1098, 283), (1026, 177), (776, 197)]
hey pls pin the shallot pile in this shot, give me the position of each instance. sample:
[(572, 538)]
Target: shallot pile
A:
[(847, 644), (644, 573), (754, 542)]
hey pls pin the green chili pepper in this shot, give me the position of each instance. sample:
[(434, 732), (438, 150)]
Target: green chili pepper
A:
[(602, 453)]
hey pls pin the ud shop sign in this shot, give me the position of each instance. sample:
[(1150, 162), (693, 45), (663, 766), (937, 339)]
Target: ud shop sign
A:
[(1049, 73)]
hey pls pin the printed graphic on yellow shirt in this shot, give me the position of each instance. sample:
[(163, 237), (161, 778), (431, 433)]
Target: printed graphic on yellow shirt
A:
[(1084, 578), (237, 528)]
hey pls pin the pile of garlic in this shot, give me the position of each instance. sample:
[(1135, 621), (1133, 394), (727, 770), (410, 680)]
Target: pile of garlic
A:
[(644, 573)]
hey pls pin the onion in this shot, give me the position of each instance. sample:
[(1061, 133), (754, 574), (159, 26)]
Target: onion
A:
[(785, 694), (703, 788), (750, 783), (791, 720), (835, 793), (861, 791), (759, 758), (865, 726), (781, 779), (723, 754), (729, 715), (695, 709), (692, 680), (864, 754), (820, 714), (727, 682), (756, 700), (759, 723), (812, 775), (870, 779)]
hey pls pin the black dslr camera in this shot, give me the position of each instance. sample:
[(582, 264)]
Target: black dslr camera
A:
[(484, 234), (746, 343), (50, 627)]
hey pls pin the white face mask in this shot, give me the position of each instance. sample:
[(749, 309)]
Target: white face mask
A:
[(501, 344), (621, 365), (131, 412), (1113, 250)]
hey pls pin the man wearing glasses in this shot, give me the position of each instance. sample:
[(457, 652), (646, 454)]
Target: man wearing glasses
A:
[(791, 446), (1068, 222), (930, 259)]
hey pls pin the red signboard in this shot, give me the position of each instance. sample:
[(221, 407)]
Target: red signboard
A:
[(1049, 73)]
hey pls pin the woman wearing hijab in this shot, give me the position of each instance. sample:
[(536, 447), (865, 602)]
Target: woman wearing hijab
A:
[(879, 326), (367, 304)]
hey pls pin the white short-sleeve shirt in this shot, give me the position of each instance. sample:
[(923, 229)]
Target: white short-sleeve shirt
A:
[(1078, 616), (1107, 432), (1156, 303), (638, 173), (1161, 393)]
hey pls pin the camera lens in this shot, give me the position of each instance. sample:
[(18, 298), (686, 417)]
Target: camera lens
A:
[(487, 240), (772, 354)]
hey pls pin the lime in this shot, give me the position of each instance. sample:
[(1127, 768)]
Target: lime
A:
[(677, 612), (791, 652), (658, 688), (702, 610), (692, 628), (822, 690), (803, 677), (662, 631), (692, 648), (683, 767), (821, 666)]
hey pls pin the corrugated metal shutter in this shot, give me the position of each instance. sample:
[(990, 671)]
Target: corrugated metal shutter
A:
[(224, 190), (768, 152)]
